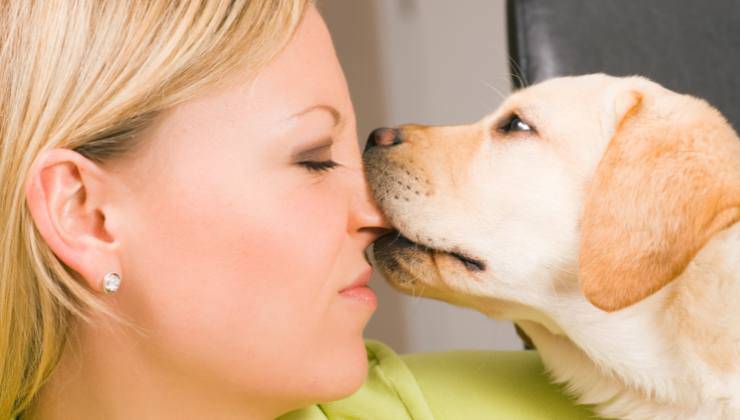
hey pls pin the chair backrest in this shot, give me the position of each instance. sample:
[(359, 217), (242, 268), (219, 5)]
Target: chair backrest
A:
[(689, 46)]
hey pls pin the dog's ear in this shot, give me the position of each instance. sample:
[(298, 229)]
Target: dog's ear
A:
[(665, 184)]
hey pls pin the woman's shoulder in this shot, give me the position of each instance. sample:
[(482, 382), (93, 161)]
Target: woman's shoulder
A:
[(465, 384)]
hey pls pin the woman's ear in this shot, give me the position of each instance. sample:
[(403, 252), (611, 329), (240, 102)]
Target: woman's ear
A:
[(668, 181), (65, 194)]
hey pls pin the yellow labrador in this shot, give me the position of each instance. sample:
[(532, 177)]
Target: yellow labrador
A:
[(602, 215)]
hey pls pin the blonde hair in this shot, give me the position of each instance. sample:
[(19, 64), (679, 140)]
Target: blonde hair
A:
[(89, 75)]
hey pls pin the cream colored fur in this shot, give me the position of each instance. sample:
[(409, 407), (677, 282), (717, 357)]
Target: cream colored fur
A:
[(626, 197)]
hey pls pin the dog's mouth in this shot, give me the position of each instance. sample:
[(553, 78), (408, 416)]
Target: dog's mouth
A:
[(395, 241)]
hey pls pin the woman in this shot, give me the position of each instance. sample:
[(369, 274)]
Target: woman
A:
[(184, 211), (184, 218)]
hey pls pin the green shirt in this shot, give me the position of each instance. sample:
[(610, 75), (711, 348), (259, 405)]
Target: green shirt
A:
[(452, 385)]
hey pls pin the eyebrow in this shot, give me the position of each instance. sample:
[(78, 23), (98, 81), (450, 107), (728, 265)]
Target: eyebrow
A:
[(322, 107)]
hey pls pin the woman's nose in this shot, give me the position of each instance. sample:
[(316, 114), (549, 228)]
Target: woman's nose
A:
[(367, 216)]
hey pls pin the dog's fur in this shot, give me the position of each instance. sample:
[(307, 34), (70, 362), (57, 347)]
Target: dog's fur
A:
[(610, 233)]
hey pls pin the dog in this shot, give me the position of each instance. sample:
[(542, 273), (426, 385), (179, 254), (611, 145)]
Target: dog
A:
[(600, 214)]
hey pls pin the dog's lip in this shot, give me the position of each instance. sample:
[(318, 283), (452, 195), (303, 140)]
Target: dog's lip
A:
[(471, 263)]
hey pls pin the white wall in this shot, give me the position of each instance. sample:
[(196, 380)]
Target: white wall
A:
[(431, 62)]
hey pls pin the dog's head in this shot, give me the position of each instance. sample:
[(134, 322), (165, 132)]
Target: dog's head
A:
[(605, 184)]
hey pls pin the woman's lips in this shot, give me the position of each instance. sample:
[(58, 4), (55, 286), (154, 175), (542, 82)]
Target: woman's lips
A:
[(359, 291)]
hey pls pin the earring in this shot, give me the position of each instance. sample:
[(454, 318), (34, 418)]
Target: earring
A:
[(111, 282)]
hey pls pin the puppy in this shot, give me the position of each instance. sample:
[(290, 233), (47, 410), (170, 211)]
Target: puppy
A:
[(602, 215)]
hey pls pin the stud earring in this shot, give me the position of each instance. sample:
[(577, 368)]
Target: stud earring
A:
[(111, 282)]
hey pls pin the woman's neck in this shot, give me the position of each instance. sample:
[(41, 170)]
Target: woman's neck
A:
[(109, 372)]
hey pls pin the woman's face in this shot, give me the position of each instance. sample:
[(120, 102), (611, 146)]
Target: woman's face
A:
[(242, 232)]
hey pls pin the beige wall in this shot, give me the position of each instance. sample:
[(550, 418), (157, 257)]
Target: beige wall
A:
[(429, 62)]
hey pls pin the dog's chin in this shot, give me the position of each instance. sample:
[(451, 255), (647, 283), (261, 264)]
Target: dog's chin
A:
[(418, 269)]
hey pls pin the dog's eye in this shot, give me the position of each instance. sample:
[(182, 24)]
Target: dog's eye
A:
[(514, 124)]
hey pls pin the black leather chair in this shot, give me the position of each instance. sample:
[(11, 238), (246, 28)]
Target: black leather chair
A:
[(689, 46)]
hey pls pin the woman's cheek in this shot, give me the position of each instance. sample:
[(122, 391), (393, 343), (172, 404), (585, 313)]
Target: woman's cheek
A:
[(254, 272), (294, 244)]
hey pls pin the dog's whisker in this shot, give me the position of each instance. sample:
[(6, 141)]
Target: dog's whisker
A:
[(416, 298), (398, 236), (519, 75), (495, 89)]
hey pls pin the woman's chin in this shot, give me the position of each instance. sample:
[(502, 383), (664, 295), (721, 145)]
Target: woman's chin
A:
[(347, 375)]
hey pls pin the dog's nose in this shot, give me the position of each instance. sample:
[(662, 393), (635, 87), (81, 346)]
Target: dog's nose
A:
[(384, 137)]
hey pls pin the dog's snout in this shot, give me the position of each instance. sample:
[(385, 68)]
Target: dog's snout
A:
[(383, 137)]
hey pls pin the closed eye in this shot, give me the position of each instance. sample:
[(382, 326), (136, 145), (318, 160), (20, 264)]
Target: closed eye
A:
[(316, 158), (319, 166), (514, 124)]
